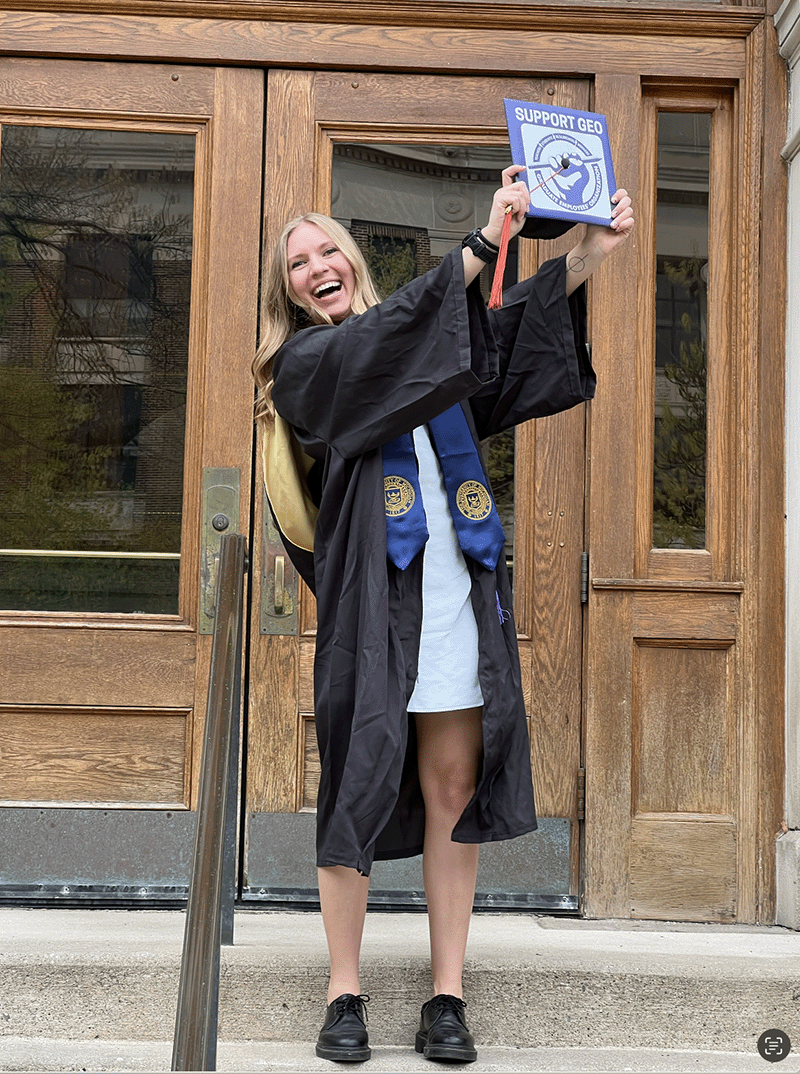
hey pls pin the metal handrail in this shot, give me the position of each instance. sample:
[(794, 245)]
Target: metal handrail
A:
[(71, 553), (209, 913)]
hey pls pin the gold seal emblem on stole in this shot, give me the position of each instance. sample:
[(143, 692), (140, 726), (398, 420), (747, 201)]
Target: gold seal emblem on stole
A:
[(398, 494), (473, 501)]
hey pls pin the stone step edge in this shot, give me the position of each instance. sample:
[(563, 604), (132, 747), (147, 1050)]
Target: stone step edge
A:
[(50, 1055)]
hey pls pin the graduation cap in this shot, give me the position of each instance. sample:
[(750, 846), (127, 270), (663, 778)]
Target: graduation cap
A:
[(540, 227)]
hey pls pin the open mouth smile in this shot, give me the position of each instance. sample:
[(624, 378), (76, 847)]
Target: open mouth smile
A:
[(330, 287)]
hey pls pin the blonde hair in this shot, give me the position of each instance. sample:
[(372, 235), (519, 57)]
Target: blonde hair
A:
[(283, 317)]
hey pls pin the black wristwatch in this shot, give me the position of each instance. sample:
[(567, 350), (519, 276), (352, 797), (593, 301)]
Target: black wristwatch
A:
[(480, 246)]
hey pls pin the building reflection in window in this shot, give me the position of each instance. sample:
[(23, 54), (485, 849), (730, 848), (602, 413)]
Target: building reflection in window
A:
[(95, 273)]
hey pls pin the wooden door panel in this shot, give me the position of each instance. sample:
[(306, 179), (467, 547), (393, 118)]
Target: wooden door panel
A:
[(95, 756), (309, 115), (274, 732), (684, 747), (670, 777), (429, 105), (60, 666), (109, 706), (80, 90), (564, 40), (688, 615), (683, 872), (311, 765), (684, 804), (556, 628)]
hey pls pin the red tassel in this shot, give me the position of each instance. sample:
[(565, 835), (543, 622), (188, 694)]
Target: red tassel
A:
[(496, 297)]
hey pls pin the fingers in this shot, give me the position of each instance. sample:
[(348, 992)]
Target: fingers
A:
[(511, 171), (622, 214), (513, 195), (605, 240), (514, 199)]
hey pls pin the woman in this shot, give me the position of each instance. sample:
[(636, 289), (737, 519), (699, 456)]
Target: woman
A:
[(413, 620)]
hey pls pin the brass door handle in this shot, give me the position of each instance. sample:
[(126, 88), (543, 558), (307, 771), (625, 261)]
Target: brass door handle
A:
[(279, 598), (221, 491), (279, 581)]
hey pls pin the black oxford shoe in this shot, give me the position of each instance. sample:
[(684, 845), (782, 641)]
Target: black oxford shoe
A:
[(443, 1032), (343, 1036)]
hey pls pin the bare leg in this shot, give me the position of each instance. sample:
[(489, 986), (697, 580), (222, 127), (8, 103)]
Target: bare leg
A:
[(343, 898), (449, 752)]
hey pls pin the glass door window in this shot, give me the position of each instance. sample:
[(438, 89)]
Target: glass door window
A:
[(681, 329), (95, 282)]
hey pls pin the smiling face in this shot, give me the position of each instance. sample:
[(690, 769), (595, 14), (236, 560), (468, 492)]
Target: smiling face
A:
[(320, 276)]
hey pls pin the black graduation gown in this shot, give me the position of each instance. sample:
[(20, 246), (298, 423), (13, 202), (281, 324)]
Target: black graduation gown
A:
[(346, 390)]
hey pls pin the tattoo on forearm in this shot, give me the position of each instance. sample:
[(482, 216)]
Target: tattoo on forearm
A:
[(576, 264)]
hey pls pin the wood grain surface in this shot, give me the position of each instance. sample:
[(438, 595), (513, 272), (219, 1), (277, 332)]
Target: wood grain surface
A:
[(717, 51), (737, 19), (98, 755)]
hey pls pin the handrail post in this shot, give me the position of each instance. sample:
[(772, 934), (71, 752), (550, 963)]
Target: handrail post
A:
[(195, 1043), (231, 814)]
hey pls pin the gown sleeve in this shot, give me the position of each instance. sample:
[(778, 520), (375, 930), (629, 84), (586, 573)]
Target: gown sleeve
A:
[(544, 360), (357, 385)]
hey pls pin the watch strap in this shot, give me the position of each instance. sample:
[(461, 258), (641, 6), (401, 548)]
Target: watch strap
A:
[(480, 246)]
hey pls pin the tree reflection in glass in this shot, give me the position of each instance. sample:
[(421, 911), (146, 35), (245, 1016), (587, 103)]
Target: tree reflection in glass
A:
[(680, 448), (95, 270)]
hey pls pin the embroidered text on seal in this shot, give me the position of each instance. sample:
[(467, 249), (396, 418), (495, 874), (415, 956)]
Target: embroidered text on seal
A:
[(399, 495), (473, 501)]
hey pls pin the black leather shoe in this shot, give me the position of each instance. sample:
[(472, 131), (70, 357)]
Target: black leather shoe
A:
[(343, 1036), (443, 1032)]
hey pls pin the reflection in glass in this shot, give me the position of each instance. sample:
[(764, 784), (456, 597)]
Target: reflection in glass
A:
[(95, 271), (679, 476), (407, 206)]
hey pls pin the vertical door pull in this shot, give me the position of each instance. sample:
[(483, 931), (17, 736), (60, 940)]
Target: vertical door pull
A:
[(221, 492), (279, 581), (280, 599)]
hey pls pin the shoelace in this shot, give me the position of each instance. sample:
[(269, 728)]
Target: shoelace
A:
[(350, 1004), (447, 1003)]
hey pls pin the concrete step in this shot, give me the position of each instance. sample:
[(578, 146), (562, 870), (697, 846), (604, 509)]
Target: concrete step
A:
[(539, 990), (294, 1058)]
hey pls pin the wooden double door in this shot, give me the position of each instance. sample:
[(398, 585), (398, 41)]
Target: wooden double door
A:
[(143, 318)]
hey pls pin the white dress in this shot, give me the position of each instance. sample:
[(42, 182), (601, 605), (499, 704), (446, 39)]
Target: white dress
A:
[(447, 678)]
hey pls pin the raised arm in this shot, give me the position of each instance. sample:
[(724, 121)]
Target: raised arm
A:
[(511, 196), (595, 246), (599, 242), (357, 385)]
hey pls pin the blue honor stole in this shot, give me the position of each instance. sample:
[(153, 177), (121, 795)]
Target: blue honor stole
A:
[(480, 532)]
